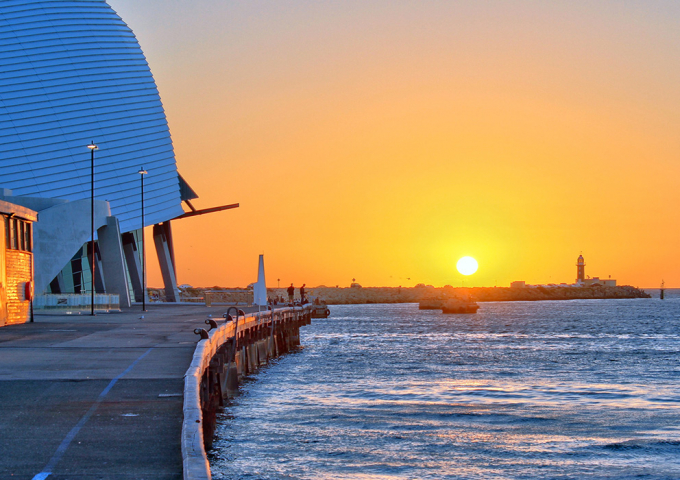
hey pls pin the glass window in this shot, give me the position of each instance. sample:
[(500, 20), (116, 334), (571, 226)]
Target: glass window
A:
[(22, 235), (8, 241), (16, 233), (12, 233), (29, 237)]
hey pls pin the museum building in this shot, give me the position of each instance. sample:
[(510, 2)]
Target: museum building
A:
[(73, 76)]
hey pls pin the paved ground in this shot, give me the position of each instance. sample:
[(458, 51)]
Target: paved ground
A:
[(99, 397)]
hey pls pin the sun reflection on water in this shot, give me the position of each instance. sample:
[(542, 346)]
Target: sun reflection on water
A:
[(519, 391)]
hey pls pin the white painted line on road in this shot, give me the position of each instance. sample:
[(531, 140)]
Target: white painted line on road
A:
[(47, 471)]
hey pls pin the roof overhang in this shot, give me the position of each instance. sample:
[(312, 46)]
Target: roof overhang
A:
[(204, 211), (11, 209)]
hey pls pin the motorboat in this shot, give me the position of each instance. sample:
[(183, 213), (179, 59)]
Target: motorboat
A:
[(456, 305)]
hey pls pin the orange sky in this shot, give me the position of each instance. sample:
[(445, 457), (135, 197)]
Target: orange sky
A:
[(383, 140)]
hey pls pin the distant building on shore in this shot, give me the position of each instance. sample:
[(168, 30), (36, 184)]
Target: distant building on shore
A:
[(582, 280), (580, 269), (597, 281)]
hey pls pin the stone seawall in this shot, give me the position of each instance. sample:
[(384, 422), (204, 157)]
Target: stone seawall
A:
[(365, 295)]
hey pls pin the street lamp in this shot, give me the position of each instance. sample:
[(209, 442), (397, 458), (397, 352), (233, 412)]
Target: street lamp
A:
[(92, 148), (143, 172)]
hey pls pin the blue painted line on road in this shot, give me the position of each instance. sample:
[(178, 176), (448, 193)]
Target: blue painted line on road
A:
[(47, 471)]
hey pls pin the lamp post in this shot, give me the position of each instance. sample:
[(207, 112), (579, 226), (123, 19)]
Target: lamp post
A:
[(143, 172), (92, 148)]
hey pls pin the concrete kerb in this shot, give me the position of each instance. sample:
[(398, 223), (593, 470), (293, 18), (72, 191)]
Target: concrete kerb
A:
[(194, 459)]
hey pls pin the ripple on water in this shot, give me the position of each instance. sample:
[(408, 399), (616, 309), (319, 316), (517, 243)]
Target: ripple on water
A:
[(584, 389)]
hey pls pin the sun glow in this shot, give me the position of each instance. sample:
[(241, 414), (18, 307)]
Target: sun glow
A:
[(467, 265)]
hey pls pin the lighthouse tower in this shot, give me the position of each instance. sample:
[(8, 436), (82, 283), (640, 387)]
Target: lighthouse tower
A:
[(580, 270)]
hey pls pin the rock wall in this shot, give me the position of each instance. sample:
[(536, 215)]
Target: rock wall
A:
[(363, 295)]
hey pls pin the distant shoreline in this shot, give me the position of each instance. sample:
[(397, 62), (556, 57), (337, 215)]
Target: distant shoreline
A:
[(371, 295), (368, 295)]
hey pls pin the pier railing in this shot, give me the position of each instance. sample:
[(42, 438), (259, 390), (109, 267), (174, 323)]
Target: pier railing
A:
[(75, 303), (226, 353)]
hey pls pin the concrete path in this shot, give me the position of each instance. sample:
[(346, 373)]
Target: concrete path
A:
[(99, 397)]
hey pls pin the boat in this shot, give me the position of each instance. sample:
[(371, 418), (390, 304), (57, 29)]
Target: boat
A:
[(460, 306), (320, 310), (430, 304)]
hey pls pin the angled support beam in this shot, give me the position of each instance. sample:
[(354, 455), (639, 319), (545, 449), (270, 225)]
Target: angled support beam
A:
[(134, 265), (207, 210), (113, 260), (162, 236)]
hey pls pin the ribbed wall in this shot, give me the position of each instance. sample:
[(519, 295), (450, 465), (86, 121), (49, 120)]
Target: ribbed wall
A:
[(72, 72)]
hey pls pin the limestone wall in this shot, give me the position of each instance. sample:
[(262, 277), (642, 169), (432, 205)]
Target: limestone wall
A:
[(18, 267), (363, 295), (366, 295)]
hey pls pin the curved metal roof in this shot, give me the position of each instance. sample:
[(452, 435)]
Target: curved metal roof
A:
[(72, 72)]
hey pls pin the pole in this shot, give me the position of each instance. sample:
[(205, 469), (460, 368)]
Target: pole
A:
[(92, 148), (143, 172)]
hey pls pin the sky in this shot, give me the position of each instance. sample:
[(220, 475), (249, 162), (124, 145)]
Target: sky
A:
[(383, 140)]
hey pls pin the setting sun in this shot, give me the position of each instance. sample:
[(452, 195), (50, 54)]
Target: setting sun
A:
[(467, 265)]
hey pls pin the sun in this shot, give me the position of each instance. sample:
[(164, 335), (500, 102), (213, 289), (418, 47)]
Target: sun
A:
[(467, 265)]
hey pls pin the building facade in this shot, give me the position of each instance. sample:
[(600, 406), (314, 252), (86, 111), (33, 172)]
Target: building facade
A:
[(72, 73), (583, 280), (16, 262)]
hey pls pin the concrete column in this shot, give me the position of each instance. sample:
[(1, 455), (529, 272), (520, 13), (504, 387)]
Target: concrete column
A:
[(113, 260), (134, 265), (262, 352), (271, 346), (232, 380), (162, 240)]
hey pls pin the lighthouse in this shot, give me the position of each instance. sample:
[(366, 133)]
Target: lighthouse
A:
[(580, 270)]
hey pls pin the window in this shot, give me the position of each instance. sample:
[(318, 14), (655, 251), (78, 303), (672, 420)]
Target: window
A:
[(14, 244), (22, 235), (28, 237), (18, 235)]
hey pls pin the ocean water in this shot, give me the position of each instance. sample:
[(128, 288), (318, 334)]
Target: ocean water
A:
[(573, 389)]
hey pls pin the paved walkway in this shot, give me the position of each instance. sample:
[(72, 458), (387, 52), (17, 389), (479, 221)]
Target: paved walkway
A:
[(99, 397)]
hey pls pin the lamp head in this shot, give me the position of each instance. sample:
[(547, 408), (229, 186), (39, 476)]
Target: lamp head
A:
[(142, 171), (92, 146)]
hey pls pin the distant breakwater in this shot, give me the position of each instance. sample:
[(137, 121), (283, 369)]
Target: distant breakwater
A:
[(366, 295)]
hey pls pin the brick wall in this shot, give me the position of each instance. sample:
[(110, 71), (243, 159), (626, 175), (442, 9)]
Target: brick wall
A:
[(18, 266)]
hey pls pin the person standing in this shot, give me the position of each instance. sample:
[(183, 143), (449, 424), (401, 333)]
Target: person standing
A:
[(302, 294), (291, 293)]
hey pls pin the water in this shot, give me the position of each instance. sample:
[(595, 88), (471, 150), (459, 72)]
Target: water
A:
[(573, 389)]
